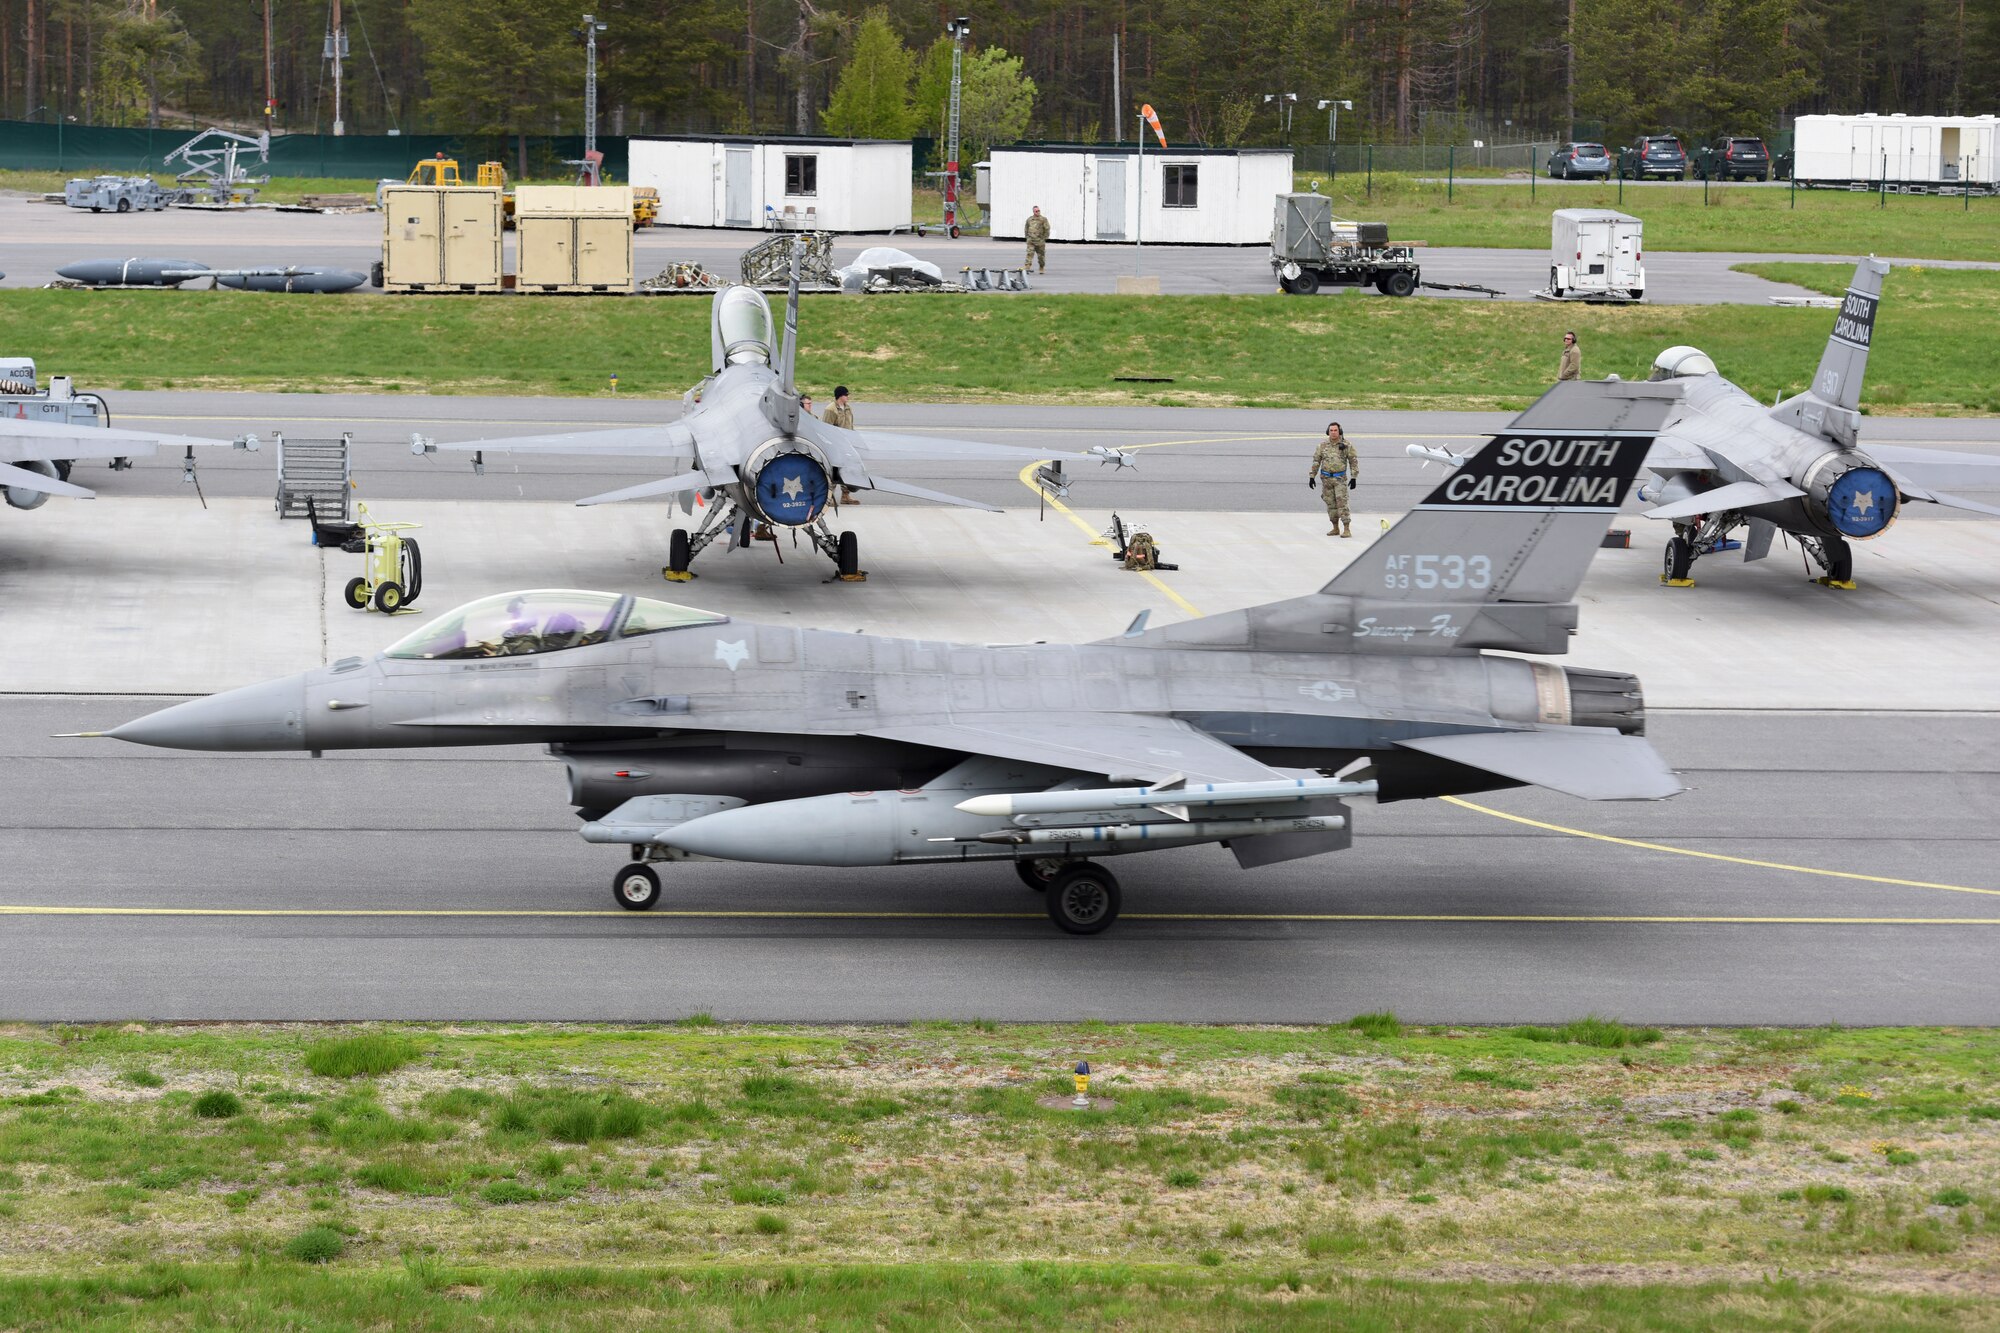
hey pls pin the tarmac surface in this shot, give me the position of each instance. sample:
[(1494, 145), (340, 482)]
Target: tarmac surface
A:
[(1834, 860), (36, 239)]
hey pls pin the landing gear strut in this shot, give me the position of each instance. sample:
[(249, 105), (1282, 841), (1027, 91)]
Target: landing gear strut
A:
[(1836, 557), (726, 519), (1679, 563), (1083, 898)]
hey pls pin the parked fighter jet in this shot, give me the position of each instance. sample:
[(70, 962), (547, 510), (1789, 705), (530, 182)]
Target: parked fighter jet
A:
[(692, 735), (758, 463), (1723, 461)]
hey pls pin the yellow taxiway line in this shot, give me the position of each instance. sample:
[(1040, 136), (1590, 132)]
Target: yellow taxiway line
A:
[(1465, 918)]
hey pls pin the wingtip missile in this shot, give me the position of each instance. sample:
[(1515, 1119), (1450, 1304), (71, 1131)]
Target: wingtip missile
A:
[(1119, 458), (1429, 454)]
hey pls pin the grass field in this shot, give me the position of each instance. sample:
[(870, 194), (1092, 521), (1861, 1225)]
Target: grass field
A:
[(1368, 1175), (1933, 350)]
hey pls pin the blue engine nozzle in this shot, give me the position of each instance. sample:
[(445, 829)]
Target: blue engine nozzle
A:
[(791, 489), (1861, 502)]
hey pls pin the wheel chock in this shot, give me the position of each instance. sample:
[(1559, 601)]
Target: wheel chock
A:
[(1676, 583), (858, 576), (677, 575), (1845, 585)]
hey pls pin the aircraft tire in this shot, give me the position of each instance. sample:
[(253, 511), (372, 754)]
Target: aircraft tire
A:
[(1839, 561), (1680, 557), (388, 596), (1083, 899), (679, 548), (1399, 283), (636, 887), (850, 553), (357, 594), (1037, 871)]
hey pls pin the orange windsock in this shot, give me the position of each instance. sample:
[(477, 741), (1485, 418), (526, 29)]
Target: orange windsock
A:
[(1154, 121)]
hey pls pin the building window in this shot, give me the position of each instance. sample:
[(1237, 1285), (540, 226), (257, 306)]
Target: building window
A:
[(1180, 185), (802, 174)]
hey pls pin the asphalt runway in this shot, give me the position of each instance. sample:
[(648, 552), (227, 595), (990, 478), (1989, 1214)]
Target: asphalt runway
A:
[(37, 239), (449, 885), (1219, 459)]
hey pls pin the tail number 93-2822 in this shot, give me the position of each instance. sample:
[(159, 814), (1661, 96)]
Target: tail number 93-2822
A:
[(1425, 572)]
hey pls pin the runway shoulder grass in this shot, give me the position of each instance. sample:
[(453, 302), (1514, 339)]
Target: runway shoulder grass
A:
[(1730, 217), (1934, 336), (1371, 1175)]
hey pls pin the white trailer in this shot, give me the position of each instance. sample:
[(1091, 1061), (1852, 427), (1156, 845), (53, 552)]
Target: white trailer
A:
[(777, 183), (1093, 192), (1901, 153), (1595, 254)]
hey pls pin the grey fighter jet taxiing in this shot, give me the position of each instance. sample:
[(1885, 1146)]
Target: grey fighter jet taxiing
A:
[(755, 460), (690, 735), (1724, 462)]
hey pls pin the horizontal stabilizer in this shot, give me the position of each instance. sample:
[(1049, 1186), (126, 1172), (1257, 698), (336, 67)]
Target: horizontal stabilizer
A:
[(1595, 763), (1931, 468), (23, 478), (919, 493), (1960, 502), (686, 481), (1736, 495), (21, 439)]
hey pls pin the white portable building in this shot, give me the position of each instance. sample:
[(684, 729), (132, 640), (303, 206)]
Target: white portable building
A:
[(1913, 152), (1093, 192), (1594, 252), (803, 183)]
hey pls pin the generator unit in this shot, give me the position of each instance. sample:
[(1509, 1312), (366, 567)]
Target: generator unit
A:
[(21, 399), (118, 194), (1310, 247)]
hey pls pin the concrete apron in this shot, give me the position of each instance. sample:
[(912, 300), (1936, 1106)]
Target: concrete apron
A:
[(158, 596)]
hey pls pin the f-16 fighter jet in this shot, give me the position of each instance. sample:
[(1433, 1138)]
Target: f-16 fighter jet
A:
[(690, 735), (36, 453), (1725, 462), (755, 460)]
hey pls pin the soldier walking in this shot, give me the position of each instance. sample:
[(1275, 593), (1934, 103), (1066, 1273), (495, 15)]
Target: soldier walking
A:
[(1572, 362), (841, 414), (1038, 241), (1336, 470)]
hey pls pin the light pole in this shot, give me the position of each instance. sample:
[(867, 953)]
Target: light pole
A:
[(1333, 106), (958, 29), (591, 27), (1286, 102)]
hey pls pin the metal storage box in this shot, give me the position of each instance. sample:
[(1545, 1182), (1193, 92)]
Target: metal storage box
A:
[(573, 239), (441, 238), (1594, 251)]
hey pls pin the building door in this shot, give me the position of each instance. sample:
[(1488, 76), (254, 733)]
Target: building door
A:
[(736, 187), (1110, 198)]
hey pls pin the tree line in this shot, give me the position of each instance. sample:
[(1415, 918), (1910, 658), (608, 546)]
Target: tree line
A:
[(1221, 72)]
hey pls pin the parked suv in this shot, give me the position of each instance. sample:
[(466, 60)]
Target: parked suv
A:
[(1654, 155), (1574, 160), (1732, 157)]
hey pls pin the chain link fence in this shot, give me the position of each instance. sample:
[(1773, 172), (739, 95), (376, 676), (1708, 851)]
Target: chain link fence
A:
[(1422, 159)]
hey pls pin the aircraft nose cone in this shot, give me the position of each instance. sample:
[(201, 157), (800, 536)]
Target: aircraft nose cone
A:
[(266, 716)]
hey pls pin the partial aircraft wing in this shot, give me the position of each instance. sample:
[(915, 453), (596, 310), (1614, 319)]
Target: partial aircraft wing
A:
[(21, 478), (919, 493), (1919, 473), (21, 440), (666, 440), (875, 445), (1671, 454), (1114, 744), (1595, 763)]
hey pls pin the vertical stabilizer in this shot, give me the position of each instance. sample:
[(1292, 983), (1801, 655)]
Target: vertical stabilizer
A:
[(788, 354), (1831, 408)]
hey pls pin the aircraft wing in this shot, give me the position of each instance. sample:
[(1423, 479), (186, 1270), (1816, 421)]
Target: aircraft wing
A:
[(1114, 744), (878, 446), (1595, 763), (668, 440), (892, 487), (21, 440), (1670, 454)]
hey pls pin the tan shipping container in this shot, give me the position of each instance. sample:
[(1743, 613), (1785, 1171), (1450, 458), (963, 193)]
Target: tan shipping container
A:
[(441, 238), (574, 238)]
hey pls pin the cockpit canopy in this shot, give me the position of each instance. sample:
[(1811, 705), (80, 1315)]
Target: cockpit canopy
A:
[(742, 327), (543, 620), (1681, 363)]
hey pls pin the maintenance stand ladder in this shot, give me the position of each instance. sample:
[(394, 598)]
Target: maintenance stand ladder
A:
[(316, 470)]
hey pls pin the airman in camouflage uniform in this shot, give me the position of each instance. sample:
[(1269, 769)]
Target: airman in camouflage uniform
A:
[(841, 414), (1038, 241), (1336, 469)]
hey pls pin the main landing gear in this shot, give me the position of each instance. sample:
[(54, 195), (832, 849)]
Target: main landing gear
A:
[(1709, 534), (1083, 897), (1836, 557), (727, 520)]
